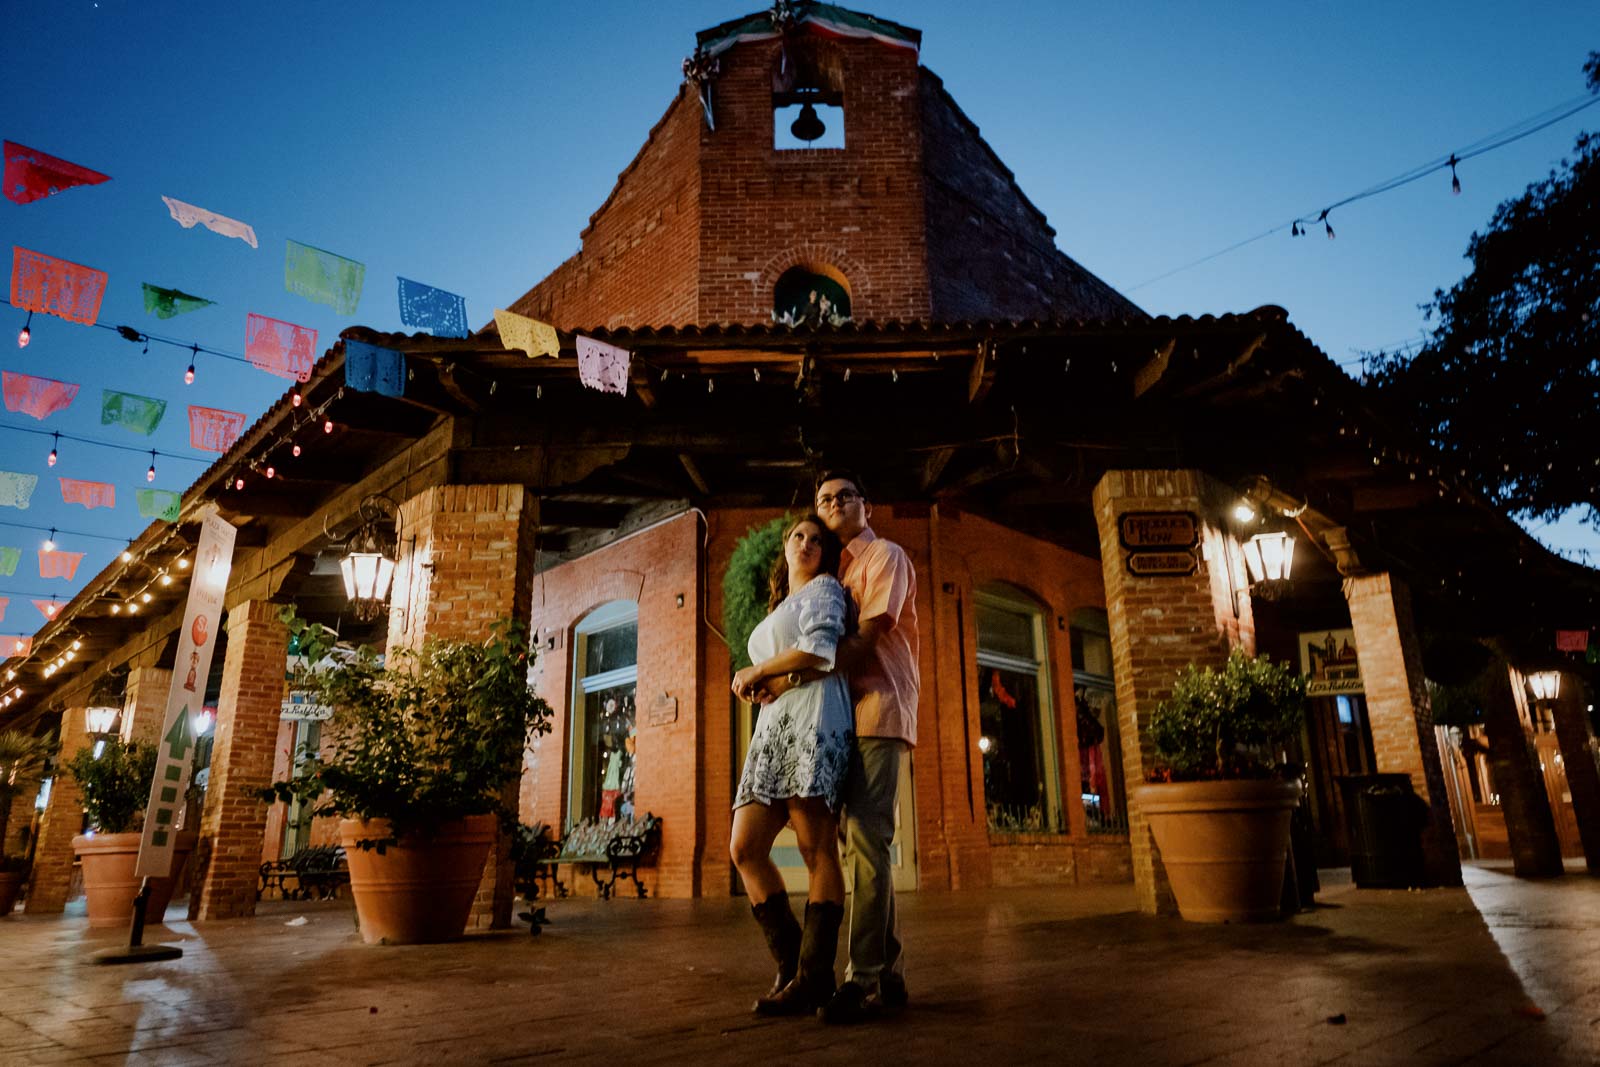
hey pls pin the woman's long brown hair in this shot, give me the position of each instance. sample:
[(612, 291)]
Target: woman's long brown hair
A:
[(832, 549)]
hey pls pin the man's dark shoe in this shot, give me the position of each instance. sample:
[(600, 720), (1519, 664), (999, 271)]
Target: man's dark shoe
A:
[(849, 1004), (892, 992)]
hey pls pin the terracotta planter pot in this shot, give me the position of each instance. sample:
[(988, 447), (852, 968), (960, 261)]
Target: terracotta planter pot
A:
[(10, 889), (109, 882), (1223, 844), (421, 890)]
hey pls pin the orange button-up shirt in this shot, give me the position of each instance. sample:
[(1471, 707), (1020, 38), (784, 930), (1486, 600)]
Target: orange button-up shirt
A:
[(883, 583)]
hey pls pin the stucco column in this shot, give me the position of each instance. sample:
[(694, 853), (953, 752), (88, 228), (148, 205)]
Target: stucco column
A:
[(466, 560), (1159, 625), (144, 704), (1399, 710), (63, 820), (1580, 758), (1514, 763), (234, 819)]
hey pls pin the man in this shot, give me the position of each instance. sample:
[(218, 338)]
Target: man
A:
[(881, 663)]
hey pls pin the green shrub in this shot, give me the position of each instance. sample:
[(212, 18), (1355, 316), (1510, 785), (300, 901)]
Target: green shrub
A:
[(116, 784), (1225, 724)]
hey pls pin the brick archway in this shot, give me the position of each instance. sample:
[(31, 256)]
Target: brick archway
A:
[(827, 260)]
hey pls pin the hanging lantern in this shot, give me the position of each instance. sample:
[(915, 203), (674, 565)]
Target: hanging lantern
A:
[(102, 721), (368, 561), (1546, 685), (1270, 558)]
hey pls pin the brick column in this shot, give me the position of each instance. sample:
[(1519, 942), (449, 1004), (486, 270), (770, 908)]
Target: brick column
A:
[(1399, 710), (1580, 757), (19, 819), (466, 560), (63, 819), (1514, 764), (234, 819), (1159, 625), (144, 704)]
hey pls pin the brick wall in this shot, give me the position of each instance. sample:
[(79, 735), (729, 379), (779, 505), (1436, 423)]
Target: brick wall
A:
[(1581, 758), (653, 568), (1159, 625), (145, 704), (991, 254), (51, 880), (1399, 710), (234, 820)]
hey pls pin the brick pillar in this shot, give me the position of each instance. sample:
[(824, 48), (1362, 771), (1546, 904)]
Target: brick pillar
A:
[(144, 704), (466, 560), (1399, 710), (234, 819), (63, 819), (1159, 625), (19, 820), (1514, 764), (1580, 757)]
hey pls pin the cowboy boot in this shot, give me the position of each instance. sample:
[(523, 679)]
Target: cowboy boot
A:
[(819, 946), (778, 926)]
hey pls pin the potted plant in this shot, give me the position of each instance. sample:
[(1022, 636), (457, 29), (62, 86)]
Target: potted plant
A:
[(22, 759), (421, 747), (1217, 804), (115, 783)]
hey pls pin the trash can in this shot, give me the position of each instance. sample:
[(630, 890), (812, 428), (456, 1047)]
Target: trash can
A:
[(1383, 818)]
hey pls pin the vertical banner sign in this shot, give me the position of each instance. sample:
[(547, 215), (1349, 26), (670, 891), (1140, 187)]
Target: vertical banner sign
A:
[(197, 640)]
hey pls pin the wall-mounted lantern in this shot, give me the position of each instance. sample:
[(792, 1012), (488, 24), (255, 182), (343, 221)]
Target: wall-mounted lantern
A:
[(1270, 559), (368, 561), (1546, 685)]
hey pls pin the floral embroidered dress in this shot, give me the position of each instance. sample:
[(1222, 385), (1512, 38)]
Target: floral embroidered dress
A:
[(803, 740)]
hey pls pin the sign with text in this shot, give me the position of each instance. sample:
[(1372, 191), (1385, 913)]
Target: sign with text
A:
[(1162, 564), (302, 707), (197, 640), (1159, 529), (1328, 660), (664, 710)]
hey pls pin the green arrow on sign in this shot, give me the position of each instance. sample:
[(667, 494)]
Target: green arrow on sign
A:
[(179, 737)]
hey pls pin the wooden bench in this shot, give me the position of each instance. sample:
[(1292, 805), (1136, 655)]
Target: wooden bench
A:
[(316, 871), (609, 848)]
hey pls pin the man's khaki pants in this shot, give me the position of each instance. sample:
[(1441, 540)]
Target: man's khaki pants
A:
[(871, 793)]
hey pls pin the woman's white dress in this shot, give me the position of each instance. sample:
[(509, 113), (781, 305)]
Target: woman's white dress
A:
[(802, 742)]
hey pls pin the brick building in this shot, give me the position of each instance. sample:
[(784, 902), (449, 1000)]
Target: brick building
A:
[(1007, 409)]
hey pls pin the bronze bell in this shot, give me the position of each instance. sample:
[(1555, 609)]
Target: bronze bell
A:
[(807, 127)]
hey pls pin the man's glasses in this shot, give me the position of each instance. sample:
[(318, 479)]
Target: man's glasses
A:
[(839, 499)]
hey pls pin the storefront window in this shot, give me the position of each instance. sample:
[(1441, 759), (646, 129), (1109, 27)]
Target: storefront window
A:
[(1020, 780), (1099, 747), (605, 720)]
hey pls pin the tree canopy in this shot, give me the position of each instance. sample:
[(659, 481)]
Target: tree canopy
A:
[(1508, 381)]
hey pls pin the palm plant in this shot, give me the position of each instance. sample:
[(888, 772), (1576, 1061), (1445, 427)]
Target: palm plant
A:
[(22, 759)]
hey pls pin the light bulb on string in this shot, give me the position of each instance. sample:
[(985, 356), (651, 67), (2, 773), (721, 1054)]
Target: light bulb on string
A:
[(188, 375), (272, 472), (1323, 218), (150, 475), (295, 398), (327, 426), (50, 542), (1455, 182), (238, 483), (54, 444), (127, 553), (25, 334), (295, 451)]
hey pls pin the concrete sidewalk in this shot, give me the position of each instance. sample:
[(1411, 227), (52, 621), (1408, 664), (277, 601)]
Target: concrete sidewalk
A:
[(1032, 976)]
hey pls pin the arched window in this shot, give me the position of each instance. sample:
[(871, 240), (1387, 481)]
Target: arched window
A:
[(811, 296), (604, 712), (1021, 782), (1099, 741)]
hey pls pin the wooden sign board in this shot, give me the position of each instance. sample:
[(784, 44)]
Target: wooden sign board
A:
[(1159, 529), (663, 710), (1162, 564)]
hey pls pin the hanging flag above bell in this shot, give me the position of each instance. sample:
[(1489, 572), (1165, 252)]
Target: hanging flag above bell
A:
[(165, 303), (33, 175)]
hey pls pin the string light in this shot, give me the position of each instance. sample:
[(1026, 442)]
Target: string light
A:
[(127, 553), (295, 399), (238, 483), (50, 542), (25, 334), (150, 475), (1455, 182), (188, 375), (296, 450), (54, 444), (272, 472), (327, 426)]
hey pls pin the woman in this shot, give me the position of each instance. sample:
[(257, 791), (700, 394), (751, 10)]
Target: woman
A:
[(795, 770)]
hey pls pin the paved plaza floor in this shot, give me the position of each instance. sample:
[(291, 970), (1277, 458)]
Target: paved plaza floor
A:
[(1504, 972)]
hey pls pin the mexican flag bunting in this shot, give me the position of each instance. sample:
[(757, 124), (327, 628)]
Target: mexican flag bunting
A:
[(603, 367), (373, 369), (188, 216), (323, 277), (90, 494), (279, 347), (56, 287), (54, 563), (48, 608), (214, 430), (9, 558), (39, 397), (530, 336), (4, 600), (158, 504), (423, 307), (33, 175), (16, 489), (15, 646), (141, 414), (165, 303)]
